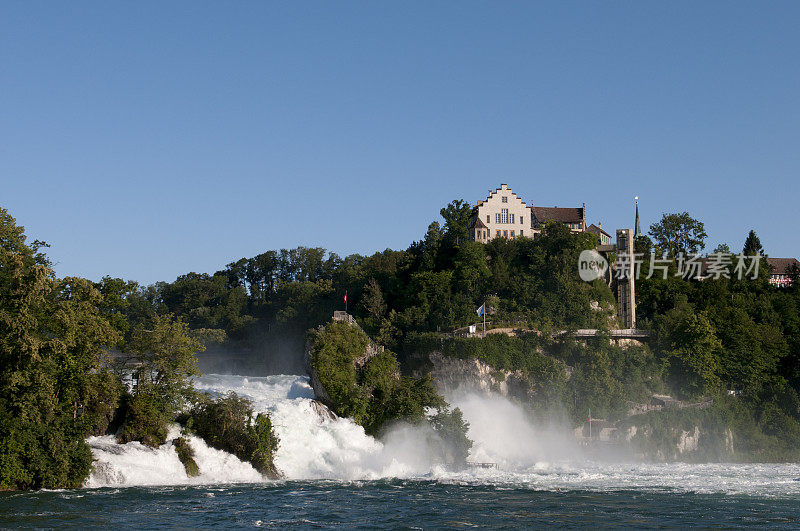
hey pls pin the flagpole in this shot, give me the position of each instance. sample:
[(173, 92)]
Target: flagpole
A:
[(484, 318)]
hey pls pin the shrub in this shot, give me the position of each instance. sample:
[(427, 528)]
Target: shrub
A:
[(145, 421), (227, 423), (186, 455)]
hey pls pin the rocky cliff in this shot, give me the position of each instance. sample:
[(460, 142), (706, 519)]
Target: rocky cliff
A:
[(475, 375)]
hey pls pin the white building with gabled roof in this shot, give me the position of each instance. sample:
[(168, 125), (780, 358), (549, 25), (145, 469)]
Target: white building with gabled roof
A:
[(505, 215), (502, 214)]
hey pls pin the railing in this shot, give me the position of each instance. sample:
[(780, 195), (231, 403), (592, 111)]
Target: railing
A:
[(614, 334), (339, 315)]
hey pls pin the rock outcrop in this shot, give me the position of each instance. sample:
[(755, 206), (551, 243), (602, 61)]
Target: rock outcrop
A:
[(372, 349), (689, 441), (475, 375), (320, 394)]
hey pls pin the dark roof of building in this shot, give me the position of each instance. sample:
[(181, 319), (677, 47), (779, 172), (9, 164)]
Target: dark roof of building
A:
[(596, 230), (564, 215), (478, 224), (782, 266)]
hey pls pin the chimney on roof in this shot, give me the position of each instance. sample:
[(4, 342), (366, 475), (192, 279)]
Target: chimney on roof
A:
[(599, 224)]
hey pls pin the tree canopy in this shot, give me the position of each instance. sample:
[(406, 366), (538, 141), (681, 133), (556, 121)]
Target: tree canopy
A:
[(678, 233)]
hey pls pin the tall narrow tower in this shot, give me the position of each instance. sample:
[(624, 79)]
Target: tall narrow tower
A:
[(626, 281), (638, 228)]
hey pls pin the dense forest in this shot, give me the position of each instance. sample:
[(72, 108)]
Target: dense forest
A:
[(62, 341)]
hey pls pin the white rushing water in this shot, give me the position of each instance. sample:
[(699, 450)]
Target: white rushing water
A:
[(315, 445)]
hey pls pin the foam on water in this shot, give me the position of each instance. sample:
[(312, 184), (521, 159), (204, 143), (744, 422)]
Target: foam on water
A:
[(316, 445), (134, 464)]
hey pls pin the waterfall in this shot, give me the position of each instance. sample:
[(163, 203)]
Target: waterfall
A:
[(314, 443)]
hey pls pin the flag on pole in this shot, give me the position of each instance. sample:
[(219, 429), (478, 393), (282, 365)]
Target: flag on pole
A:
[(482, 309), (345, 297)]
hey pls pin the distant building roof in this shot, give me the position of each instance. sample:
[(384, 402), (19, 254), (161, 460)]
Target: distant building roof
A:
[(596, 230), (782, 266), (564, 215)]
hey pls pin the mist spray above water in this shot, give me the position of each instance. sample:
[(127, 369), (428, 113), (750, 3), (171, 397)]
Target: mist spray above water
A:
[(504, 433), (316, 445)]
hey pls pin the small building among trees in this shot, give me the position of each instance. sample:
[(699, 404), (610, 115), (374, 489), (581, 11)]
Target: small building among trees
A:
[(784, 270)]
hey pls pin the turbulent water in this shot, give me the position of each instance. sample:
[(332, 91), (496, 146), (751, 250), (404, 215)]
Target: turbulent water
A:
[(337, 475)]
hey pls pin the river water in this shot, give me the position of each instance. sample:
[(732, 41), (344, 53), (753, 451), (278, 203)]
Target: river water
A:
[(336, 475)]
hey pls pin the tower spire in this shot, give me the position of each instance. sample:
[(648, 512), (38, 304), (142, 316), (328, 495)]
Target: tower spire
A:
[(638, 230)]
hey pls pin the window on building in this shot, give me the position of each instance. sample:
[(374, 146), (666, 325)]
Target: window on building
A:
[(505, 234), (487, 218), (521, 220), (505, 199), (512, 218), (521, 232), (497, 218), (504, 215), (512, 233), (498, 234)]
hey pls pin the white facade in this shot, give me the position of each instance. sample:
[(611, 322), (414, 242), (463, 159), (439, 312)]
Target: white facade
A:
[(502, 214)]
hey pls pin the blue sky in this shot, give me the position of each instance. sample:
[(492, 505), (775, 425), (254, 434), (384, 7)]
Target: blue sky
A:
[(149, 139)]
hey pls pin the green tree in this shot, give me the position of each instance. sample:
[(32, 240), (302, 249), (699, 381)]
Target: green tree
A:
[(457, 216), (722, 248), (752, 245), (207, 301), (691, 349), (678, 233), (165, 357), (372, 300), (53, 338)]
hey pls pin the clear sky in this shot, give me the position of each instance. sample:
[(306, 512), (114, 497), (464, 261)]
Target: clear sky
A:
[(149, 139)]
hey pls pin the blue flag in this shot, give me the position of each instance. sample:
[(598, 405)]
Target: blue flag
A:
[(481, 309)]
